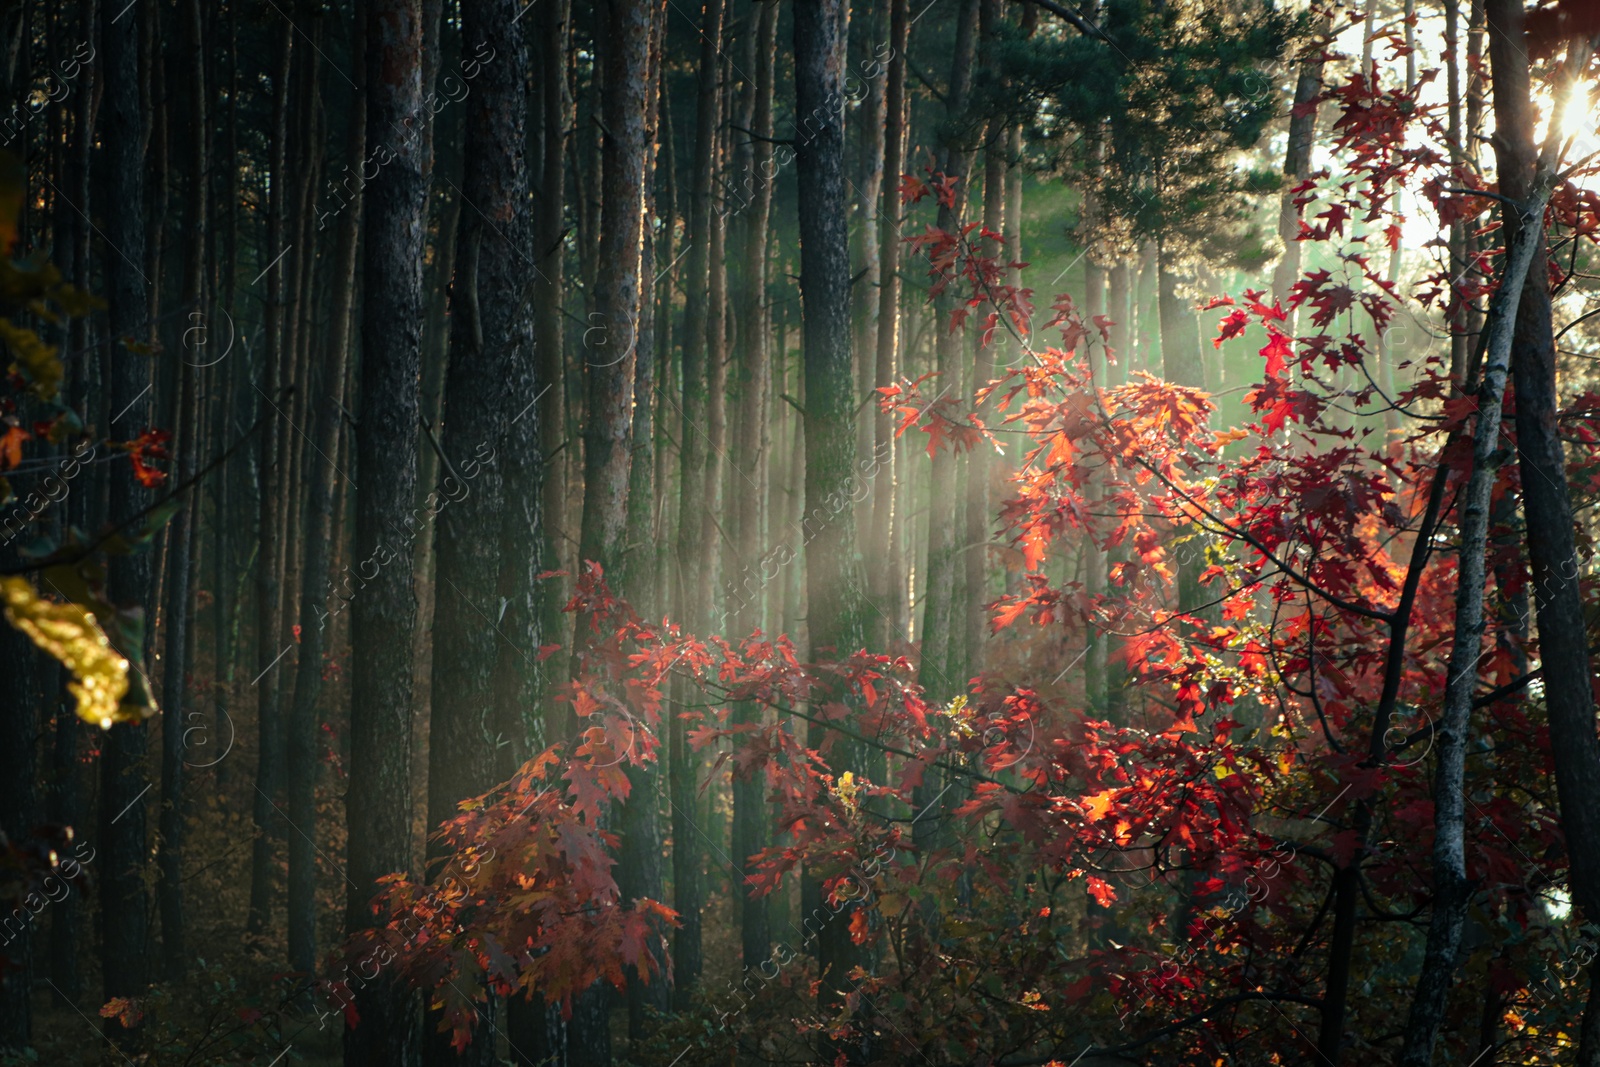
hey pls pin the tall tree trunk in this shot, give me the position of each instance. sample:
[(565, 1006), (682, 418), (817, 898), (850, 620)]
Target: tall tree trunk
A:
[(327, 402), (639, 869), (85, 509), (715, 427), (1297, 160), (21, 693), (1450, 887), (750, 451), (939, 596), (533, 525), (609, 362), (552, 26), (1546, 504), (124, 933), (835, 580), (378, 800), (693, 598), (975, 537), (1119, 308), (609, 357), (1182, 365), (489, 332), (269, 756), (1094, 556), (871, 111), (885, 569), (184, 531)]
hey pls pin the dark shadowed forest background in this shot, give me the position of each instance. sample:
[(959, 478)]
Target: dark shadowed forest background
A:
[(967, 532)]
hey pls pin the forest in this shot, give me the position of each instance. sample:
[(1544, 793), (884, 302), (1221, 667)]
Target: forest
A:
[(976, 533)]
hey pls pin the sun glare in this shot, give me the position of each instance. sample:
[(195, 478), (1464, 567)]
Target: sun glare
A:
[(1577, 118)]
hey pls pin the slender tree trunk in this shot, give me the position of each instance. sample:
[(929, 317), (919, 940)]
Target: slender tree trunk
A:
[(21, 693), (378, 800), (939, 596), (1094, 556), (715, 428), (609, 356), (975, 537), (1458, 229), (85, 509), (835, 579), (872, 113), (750, 813), (552, 22), (124, 932), (1297, 161), (639, 869), (184, 531), (532, 527), (1546, 503), (1181, 364), (693, 599), (609, 359), (269, 769), (886, 568), (489, 328), (1120, 310), (327, 405), (1450, 886)]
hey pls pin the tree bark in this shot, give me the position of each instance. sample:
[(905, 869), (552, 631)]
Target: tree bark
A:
[(184, 531), (1450, 886), (552, 23), (609, 357), (1297, 160), (975, 536), (933, 672), (20, 694), (885, 570), (750, 813), (693, 595), (1094, 556), (489, 330), (1546, 503), (270, 738), (639, 867), (124, 932), (327, 402), (383, 613), (835, 581)]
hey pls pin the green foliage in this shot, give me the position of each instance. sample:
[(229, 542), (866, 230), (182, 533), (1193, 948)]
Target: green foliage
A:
[(92, 638), (1163, 111)]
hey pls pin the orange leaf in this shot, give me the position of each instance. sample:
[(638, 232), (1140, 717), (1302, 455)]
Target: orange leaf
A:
[(11, 447), (1097, 805)]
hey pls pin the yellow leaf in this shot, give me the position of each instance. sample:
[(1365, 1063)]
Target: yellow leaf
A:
[(40, 363), (70, 633)]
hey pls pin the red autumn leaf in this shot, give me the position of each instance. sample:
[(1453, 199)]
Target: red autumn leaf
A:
[(912, 188), (1232, 326), (1277, 353), (149, 445)]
